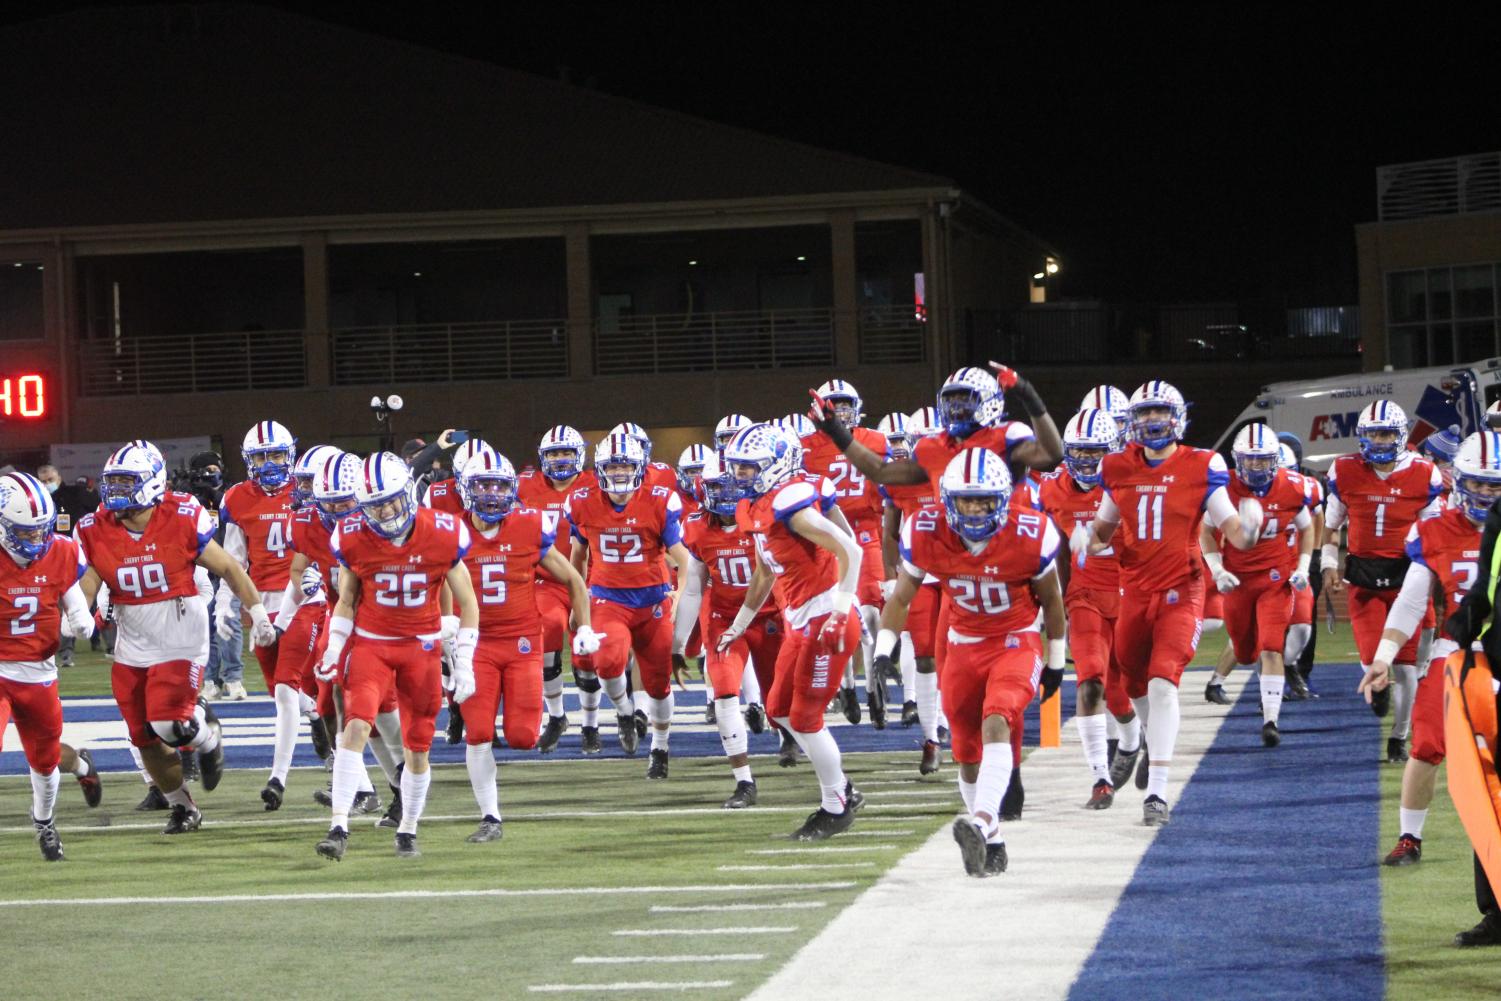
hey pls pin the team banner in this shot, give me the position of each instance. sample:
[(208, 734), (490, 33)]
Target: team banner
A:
[(87, 458)]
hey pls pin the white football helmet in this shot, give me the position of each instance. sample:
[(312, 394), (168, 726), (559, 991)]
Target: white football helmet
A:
[(690, 464), (717, 490), (924, 422), (845, 400), (619, 449), (637, 432), (465, 452), (1477, 473), (134, 477), (305, 469), (1493, 416), (386, 495), (968, 400), (1286, 457), (1255, 451), (766, 448), (975, 473), (1377, 417), (898, 436), (334, 483), (798, 424), (1113, 402), (726, 428), (28, 517), (1088, 437), (269, 451), (561, 453), (487, 486), (1157, 432)]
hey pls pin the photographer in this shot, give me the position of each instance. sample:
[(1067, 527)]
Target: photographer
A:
[(426, 461)]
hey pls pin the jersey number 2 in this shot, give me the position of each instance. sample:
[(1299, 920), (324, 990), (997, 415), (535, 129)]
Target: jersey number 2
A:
[(407, 590), (28, 605)]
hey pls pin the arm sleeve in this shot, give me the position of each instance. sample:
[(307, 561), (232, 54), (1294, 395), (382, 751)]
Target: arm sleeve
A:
[(464, 542), (1218, 506), (1050, 542), (672, 525), (234, 543), (1108, 512), (549, 531), (1334, 511), (689, 602), (336, 545), (1304, 519), (1407, 610), (203, 583)]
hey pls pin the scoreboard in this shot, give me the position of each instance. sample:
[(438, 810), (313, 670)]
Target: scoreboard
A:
[(24, 396)]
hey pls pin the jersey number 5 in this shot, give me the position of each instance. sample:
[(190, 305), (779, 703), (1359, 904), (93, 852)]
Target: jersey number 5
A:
[(492, 584), (618, 547)]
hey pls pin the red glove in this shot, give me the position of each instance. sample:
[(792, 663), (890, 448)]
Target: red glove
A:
[(826, 419), (831, 636), (1004, 375), (98, 622)]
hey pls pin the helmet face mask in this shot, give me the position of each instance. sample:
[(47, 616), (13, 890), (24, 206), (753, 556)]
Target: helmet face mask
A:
[(269, 450), (718, 491), (690, 466), (385, 495), (1257, 455), (134, 478), (845, 400), (975, 490), (619, 464), (1083, 462), (1088, 437), (1382, 432), (560, 456), (305, 472), (1158, 415), (969, 400), (28, 517), (1477, 474), (333, 486), (490, 496)]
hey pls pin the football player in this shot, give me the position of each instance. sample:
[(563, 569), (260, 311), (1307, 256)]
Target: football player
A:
[(1113, 402), (726, 428), (443, 495)]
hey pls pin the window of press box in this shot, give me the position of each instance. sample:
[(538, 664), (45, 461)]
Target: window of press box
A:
[(21, 300)]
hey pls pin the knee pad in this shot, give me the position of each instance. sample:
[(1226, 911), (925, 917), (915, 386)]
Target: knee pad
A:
[(552, 668), (175, 733), (587, 681)]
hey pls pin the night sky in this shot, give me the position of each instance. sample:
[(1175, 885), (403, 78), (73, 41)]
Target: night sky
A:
[(1170, 152)]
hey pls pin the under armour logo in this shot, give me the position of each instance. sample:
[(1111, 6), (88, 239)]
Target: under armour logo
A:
[(1394, 490), (417, 558), (630, 521), (149, 547), (1167, 479), (40, 579), (992, 569)]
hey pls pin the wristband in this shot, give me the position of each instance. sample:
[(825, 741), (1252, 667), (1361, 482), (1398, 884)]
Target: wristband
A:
[(840, 435), (1329, 556), (1303, 560), (886, 641), (1386, 651), (1216, 563), (1031, 399), (339, 629), (743, 619), (843, 601), (1057, 654), (464, 642)]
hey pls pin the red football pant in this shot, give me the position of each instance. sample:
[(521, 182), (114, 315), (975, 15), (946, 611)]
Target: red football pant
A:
[(38, 713), (872, 572), (1092, 613), (1157, 634), (161, 692), (1214, 604), (1302, 608), (922, 619), (413, 668), (266, 656), (1428, 715), (1256, 616), (762, 642), (508, 668), (554, 607), (300, 649), (991, 678), (1368, 610), (807, 677), (646, 631)]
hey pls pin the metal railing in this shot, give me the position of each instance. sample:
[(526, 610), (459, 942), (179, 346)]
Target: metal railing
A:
[(1451, 186), (892, 335), (450, 352), (192, 363), (703, 342)]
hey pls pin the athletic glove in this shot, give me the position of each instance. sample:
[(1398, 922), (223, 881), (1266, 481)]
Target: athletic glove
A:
[(888, 588), (831, 636), (1011, 382), (463, 680), (826, 419), (262, 632), (1298, 579), (312, 582), (223, 615), (1052, 677), (586, 641), (448, 629), (1225, 581)]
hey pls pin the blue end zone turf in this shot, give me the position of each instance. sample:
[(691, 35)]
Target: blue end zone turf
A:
[(1270, 859)]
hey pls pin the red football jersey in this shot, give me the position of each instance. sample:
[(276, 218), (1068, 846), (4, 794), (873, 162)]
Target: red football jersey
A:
[(659, 474), (1161, 507), (266, 520), (1280, 506), (806, 572), (730, 554), (909, 498), (1449, 546), (934, 452), (399, 585), (537, 491), (856, 497), (159, 564), (990, 592), (444, 496), (504, 570), (312, 540), (29, 596), (626, 547), (1069, 505), (1381, 509)]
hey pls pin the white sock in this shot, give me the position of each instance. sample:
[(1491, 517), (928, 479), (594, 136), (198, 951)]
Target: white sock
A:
[(180, 797), (1143, 707), (995, 774), (348, 767), (306, 704), (1207, 626), (824, 755), (288, 710), (927, 705), (1404, 691), (640, 701), (135, 755), (731, 725), (381, 747), (481, 761), (1271, 696), (615, 689), (1162, 733), (413, 798), (80, 766), (1092, 736), (750, 685), (967, 794), (44, 793), (1112, 728), (1411, 820), (1130, 735), (1425, 646), (589, 702), (908, 663), (1297, 638), (659, 711), (208, 739), (552, 688)]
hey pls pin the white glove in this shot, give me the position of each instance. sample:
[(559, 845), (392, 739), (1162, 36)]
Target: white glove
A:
[(312, 582), (462, 675), (262, 632), (1298, 579), (78, 622), (1225, 581), (888, 588), (1078, 544), (223, 615), (64, 627), (1252, 516), (328, 667), (586, 641), (448, 628)]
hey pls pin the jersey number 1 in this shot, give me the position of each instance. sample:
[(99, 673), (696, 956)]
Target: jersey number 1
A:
[(1149, 517)]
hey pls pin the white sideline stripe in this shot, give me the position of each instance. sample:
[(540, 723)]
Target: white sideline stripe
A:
[(778, 867), (728, 957), (902, 792), (819, 851), (634, 985), (743, 930), (789, 905), (897, 771), (566, 891), (875, 832), (1025, 934), (883, 783)]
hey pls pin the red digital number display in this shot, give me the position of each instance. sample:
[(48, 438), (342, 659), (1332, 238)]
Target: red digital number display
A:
[(23, 395)]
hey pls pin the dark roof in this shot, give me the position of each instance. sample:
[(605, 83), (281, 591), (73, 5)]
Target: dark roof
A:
[(234, 111)]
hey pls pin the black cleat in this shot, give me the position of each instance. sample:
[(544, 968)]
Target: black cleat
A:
[(489, 830), (787, 753), (1297, 685), (853, 798), (1409, 851), (875, 702), (318, 732), (822, 825), (930, 758), (455, 731), (323, 797), (711, 714), (995, 859), (626, 731), (92, 784), (273, 794), (1270, 735), (365, 802), (1487, 932), (590, 740), (658, 767), (1011, 803), (849, 702), (190, 770), (943, 733), (1111, 745), (47, 840), (755, 718), (1215, 692), (391, 819), (1101, 796), (743, 796), (333, 844), (1396, 750), (971, 846), (1381, 702), (909, 713), (642, 724), (1144, 766), (154, 800), (184, 819), (406, 846), (1154, 812), (211, 763), (556, 727), (498, 741), (1123, 765)]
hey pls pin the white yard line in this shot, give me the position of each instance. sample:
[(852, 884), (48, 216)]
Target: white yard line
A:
[(817, 850), (788, 866), (634, 985), (728, 957), (874, 832), (741, 930), (1026, 933), (787, 905)]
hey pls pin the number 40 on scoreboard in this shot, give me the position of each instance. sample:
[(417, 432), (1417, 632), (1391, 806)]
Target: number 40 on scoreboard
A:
[(23, 395)]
